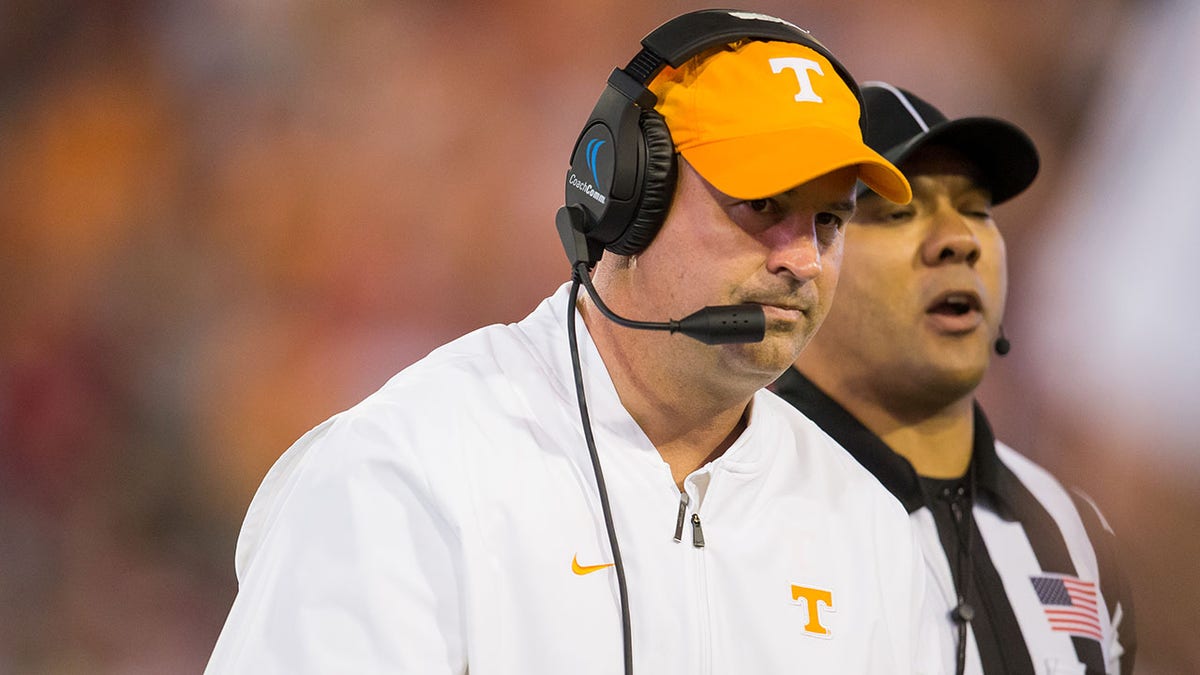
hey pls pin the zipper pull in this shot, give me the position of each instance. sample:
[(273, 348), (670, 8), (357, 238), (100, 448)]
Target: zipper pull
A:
[(683, 502), (697, 533)]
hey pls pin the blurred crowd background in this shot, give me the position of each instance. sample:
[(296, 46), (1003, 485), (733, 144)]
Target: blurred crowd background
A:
[(222, 222)]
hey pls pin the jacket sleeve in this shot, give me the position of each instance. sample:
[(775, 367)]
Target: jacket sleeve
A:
[(346, 563)]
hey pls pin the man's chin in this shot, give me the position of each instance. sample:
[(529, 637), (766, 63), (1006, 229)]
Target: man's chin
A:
[(950, 383), (769, 358)]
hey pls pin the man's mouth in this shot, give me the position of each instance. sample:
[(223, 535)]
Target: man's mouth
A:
[(956, 312), (955, 304), (782, 310)]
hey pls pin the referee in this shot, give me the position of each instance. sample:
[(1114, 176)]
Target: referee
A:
[(1021, 569)]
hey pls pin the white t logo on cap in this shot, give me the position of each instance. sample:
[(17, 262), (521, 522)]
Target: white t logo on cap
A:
[(801, 68)]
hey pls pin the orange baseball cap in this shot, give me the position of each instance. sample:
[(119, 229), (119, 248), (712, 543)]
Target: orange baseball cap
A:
[(756, 119)]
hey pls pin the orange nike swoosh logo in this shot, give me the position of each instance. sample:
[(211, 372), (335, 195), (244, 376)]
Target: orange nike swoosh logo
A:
[(586, 569)]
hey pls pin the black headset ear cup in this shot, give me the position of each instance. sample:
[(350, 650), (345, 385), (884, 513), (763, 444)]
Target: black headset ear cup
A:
[(658, 186)]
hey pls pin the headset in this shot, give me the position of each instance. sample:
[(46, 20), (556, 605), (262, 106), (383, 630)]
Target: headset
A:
[(623, 167), (618, 192)]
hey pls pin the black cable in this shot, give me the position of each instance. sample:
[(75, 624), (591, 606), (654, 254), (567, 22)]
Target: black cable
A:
[(626, 633), (580, 275), (963, 613)]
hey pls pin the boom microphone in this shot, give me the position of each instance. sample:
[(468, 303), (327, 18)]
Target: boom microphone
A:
[(716, 324), (1002, 345)]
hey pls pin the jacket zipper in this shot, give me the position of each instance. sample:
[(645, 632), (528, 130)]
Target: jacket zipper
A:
[(703, 613), (697, 530), (683, 502), (701, 595)]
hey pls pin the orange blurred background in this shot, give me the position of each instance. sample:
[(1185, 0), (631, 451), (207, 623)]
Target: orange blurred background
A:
[(222, 222)]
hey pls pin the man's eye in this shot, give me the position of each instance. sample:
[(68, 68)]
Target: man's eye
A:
[(759, 205), (830, 220), (898, 216)]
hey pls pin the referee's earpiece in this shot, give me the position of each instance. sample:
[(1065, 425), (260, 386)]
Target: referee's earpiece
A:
[(623, 166), (1002, 345)]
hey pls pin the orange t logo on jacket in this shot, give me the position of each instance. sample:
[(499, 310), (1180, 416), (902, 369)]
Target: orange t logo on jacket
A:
[(813, 596)]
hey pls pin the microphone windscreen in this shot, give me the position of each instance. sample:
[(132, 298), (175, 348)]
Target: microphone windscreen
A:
[(725, 324), (1002, 345)]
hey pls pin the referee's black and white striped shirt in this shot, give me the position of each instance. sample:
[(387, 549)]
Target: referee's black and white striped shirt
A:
[(1042, 578)]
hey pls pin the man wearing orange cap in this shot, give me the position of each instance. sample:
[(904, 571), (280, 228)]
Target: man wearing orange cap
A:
[(581, 492)]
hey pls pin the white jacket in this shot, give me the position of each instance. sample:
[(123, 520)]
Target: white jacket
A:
[(450, 521)]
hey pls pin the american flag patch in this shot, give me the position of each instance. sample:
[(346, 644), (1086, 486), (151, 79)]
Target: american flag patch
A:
[(1071, 604)]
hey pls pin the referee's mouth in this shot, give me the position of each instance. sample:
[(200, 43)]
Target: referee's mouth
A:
[(956, 311)]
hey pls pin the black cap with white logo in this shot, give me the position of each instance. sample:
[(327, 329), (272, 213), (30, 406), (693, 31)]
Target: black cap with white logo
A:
[(898, 123)]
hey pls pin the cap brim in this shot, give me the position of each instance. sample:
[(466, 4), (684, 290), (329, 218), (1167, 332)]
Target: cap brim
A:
[(1004, 154), (764, 165)]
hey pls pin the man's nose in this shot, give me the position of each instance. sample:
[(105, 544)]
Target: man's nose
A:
[(951, 240), (796, 249)]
